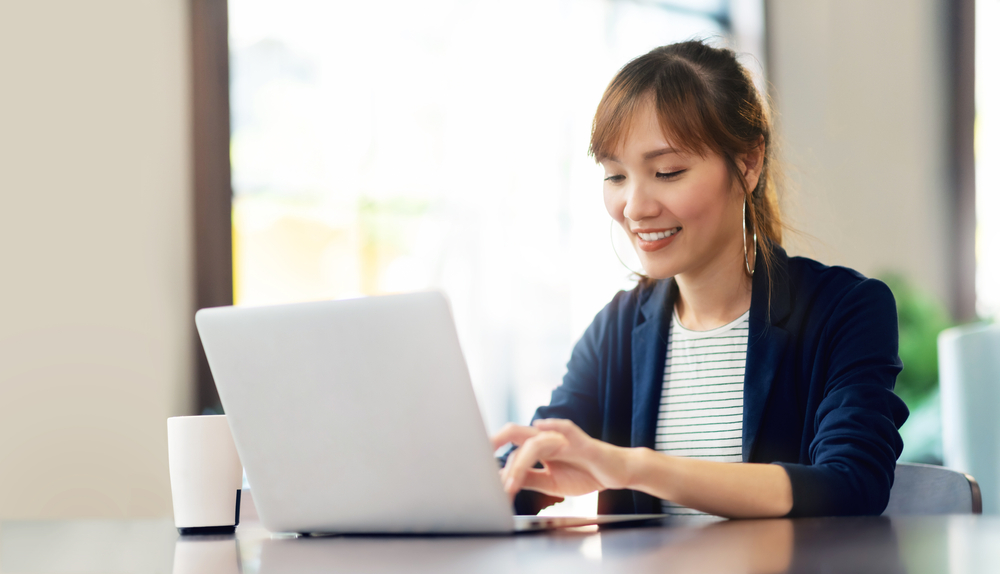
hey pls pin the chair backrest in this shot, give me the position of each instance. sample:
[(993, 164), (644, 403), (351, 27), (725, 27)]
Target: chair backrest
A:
[(928, 489)]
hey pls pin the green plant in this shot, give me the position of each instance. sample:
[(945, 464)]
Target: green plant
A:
[(921, 318)]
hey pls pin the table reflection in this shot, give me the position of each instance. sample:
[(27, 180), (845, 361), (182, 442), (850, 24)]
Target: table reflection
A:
[(391, 554), (854, 544), (912, 544), (750, 546), (207, 555)]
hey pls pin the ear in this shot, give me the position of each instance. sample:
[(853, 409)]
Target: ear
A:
[(751, 164)]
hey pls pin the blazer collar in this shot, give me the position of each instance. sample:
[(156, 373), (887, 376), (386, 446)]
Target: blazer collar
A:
[(649, 353), (771, 295), (770, 305)]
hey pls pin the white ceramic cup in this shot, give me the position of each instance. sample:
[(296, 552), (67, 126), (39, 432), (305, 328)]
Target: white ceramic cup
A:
[(205, 474)]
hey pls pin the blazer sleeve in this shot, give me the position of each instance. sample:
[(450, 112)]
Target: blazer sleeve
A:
[(853, 454)]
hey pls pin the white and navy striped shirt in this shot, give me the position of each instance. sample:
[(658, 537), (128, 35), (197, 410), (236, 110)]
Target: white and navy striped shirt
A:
[(701, 406)]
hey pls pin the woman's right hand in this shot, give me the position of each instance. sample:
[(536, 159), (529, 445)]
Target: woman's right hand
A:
[(573, 462)]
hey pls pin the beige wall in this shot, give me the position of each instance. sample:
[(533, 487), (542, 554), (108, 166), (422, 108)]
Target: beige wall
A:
[(861, 89), (96, 289)]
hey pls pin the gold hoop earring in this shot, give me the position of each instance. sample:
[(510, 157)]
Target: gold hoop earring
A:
[(746, 257)]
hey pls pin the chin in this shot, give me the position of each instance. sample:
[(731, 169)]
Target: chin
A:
[(655, 271), (659, 265)]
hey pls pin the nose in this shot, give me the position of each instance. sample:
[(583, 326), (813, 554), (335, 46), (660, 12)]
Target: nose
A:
[(641, 204)]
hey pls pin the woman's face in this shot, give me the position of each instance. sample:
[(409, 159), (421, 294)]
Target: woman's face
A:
[(678, 209)]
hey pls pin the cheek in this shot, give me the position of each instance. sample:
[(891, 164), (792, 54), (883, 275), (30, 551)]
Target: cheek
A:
[(695, 206), (704, 202)]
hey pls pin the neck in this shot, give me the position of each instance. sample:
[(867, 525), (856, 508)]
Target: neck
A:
[(715, 294)]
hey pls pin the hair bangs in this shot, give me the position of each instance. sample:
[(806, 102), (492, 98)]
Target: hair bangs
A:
[(677, 94), (680, 97), (612, 121)]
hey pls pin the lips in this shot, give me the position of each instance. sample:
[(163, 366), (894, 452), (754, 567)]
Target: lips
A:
[(654, 240)]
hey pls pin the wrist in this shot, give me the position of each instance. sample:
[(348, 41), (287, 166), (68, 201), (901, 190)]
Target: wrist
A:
[(624, 467), (651, 472), (633, 462), (610, 465)]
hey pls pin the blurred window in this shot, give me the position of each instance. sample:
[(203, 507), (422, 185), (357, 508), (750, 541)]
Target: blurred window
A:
[(387, 146)]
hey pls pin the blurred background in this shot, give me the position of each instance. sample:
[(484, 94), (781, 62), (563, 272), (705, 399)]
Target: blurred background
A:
[(158, 156)]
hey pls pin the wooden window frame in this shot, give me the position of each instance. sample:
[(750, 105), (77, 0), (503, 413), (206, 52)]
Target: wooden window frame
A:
[(962, 172), (213, 194)]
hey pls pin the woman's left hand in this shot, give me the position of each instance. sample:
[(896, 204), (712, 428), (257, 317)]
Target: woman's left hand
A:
[(574, 463)]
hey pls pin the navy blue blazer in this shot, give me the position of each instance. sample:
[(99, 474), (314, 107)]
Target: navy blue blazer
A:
[(822, 360)]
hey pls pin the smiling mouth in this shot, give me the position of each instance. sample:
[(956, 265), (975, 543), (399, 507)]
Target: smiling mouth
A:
[(655, 236)]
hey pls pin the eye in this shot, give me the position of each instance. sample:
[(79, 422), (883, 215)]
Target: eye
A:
[(669, 174), (615, 178)]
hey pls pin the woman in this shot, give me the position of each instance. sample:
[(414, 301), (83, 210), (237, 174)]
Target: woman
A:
[(733, 380)]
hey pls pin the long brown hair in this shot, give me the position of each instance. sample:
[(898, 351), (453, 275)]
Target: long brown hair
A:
[(705, 99)]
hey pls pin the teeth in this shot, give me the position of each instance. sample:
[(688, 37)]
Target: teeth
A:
[(658, 235)]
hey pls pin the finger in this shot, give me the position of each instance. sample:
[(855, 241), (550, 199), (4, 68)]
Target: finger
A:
[(564, 426), (513, 433), (538, 448), (504, 478), (579, 440), (511, 466), (505, 471)]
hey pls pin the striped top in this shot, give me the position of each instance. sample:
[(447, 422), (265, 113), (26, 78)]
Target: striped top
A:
[(701, 406)]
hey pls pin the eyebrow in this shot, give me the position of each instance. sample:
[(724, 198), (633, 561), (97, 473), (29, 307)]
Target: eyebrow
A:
[(658, 152), (646, 156)]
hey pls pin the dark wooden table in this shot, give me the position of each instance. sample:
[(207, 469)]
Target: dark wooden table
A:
[(857, 545)]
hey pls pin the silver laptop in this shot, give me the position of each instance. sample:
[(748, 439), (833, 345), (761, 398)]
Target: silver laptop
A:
[(359, 416)]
